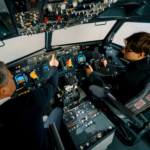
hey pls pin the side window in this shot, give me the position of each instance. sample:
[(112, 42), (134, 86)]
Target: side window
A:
[(129, 28)]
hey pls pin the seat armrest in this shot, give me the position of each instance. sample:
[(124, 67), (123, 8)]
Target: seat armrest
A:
[(57, 139), (120, 106)]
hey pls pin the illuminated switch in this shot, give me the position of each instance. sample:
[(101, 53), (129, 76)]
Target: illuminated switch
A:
[(49, 7), (75, 4), (63, 6), (45, 19), (58, 17)]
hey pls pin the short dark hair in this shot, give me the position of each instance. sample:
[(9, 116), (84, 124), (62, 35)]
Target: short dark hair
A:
[(139, 42), (3, 75)]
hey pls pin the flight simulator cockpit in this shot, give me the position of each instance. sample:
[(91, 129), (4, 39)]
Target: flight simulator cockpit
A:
[(79, 33)]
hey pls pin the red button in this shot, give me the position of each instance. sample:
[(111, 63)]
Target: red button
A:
[(45, 20), (58, 17)]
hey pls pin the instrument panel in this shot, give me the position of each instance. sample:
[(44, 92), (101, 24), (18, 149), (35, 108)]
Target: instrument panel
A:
[(70, 58)]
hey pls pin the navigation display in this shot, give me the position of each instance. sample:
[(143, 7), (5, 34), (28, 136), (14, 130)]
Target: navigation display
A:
[(21, 78), (81, 59), (70, 62), (36, 74)]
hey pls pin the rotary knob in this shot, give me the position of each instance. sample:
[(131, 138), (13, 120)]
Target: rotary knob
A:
[(82, 112), (56, 12), (86, 118), (87, 144), (99, 135), (81, 147), (72, 117)]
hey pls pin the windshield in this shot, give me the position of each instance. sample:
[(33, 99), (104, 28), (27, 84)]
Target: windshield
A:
[(82, 33)]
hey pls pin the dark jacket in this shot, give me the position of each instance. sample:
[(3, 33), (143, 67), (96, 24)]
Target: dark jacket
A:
[(22, 118), (129, 82)]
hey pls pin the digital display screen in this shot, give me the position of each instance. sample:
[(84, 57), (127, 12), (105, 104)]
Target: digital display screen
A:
[(36, 74), (81, 59), (70, 62), (45, 68), (59, 68), (21, 78)]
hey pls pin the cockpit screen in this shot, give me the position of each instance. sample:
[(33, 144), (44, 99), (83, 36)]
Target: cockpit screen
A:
[(81, 59), (70, 62), (36, 74), (21, 78)]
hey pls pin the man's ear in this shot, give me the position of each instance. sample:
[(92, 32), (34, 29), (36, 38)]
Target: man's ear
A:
[(3, 90)]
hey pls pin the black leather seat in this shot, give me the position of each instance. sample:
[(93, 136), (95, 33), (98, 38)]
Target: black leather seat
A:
[(132, 113), (136, 104)]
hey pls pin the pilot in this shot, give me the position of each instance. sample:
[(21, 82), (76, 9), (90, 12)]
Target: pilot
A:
[(131, 79), (21, 119)]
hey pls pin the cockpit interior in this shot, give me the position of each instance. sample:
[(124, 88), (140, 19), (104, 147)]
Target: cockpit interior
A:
[(78, 33)]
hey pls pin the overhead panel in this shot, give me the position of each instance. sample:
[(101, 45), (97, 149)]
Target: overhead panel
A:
[(37, 16)]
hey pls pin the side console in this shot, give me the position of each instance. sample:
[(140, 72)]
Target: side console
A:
[(88, 127)]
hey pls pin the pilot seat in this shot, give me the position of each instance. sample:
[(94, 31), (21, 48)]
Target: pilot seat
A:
[(132, 120)]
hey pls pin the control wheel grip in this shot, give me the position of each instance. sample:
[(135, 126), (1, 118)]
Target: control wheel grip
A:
[(86, 65)]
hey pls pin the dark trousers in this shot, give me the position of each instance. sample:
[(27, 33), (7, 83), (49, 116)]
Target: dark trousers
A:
[(55, 116)]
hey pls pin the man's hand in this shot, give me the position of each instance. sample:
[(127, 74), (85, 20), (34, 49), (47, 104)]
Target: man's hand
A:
[(104, 62), (90, 70), (53, 61)]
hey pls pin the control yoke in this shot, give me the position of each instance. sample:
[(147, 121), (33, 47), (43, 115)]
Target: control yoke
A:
[(96, 63)]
